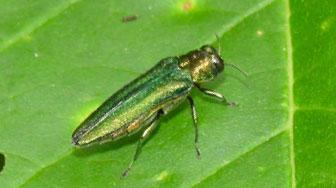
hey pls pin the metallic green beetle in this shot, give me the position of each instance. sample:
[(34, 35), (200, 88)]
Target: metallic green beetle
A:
[(140, 104)]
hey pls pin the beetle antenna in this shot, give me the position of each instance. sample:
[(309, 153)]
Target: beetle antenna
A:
[(232, 65), (237, 68), (219, 46)]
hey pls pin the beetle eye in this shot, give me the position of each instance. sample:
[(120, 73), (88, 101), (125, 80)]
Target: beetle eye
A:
[(218, 62)]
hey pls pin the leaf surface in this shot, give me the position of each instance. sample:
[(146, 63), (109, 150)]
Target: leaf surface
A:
[(60, 60)]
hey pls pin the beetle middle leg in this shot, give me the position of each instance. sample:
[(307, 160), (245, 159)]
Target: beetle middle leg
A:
[(152, 125), (194, 116), (216, 95)]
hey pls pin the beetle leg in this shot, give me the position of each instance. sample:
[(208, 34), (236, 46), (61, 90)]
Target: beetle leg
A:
[(216, 95), (194, 116), (152, 125)]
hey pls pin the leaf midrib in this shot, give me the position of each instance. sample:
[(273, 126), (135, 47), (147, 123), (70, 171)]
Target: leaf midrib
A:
[(291, 104)]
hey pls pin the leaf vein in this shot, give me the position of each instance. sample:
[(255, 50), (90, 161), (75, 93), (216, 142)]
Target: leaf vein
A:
[(39, 22), (275, 134), (46, 166), (23, 158), (239, 19)]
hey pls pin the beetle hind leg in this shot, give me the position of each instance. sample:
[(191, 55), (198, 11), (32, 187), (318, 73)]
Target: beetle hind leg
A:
[(194, 116), (146, 133)]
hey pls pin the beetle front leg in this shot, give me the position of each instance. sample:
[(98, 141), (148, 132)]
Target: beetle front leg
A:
[(194, 116), (215, 94), (143, 137)]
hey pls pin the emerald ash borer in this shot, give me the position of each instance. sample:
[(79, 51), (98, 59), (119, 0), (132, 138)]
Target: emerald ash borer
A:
[(140, 104)]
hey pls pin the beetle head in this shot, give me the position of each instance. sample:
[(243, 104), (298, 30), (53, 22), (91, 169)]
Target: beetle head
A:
[(204, 64)]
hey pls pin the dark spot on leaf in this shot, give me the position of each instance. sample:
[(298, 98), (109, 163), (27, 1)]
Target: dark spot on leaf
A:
[(129, 18), (2, 161)]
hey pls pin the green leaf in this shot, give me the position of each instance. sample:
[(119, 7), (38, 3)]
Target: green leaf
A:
[(59, 60), (314, 54)]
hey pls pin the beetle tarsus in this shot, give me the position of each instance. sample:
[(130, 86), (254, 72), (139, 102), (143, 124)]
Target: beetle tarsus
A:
[(198, 152), (232, 104), (125, 173)]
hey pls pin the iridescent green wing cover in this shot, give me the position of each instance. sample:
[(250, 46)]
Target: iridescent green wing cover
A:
[(162, 87)]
